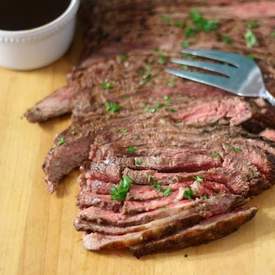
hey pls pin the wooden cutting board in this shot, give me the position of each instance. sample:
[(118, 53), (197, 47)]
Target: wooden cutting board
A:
[(36, 231)]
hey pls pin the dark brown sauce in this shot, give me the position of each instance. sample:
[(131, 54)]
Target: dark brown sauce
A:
[(28, 14)]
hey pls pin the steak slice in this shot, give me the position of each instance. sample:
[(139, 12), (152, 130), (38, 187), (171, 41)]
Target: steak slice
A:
[(161, 227), (63, 158), (208, 230), (149, 27), (59, 103), (101, 216)]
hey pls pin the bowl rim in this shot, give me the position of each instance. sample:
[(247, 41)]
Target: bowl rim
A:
[(67, 14)]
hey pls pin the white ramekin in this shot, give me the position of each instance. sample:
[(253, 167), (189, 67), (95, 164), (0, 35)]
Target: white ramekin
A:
[(35, 48)]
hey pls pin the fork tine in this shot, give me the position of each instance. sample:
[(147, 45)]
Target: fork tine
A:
[(212, 80), (213, 67), (230, 58)]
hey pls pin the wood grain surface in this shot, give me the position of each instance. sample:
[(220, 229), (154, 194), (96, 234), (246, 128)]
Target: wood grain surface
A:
[(36, 231)]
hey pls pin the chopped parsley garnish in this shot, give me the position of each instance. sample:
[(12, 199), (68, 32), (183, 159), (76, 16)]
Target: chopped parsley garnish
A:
[(251, 56), (184, 67), (250, 38), (210, 25), (172, 110), (131, 149), (61, 141), (233, 148), (198, 179), (167, 192), (190, 31), (120, 191), (200, 24), (105, 85), (215, 155), (154, 108), (188, 193), (146, 74), (157, 185), (162, 57), (236, 149), (122, 58), (179, 24), (205, 197), (112, 107), (138, 162), (227, 39), (171, 83), (273, 34), (167, 99), (166, 19), (252, 24), (185, 44), (159, 105)]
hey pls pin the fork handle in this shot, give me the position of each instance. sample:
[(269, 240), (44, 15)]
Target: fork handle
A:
[(269, 97)]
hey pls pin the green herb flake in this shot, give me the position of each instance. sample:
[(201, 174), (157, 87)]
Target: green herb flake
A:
[(205, 197), (149, 109), (105, 85), (252, 24), (167, 192), (198, 179), (210, 25), (185, 44), (162, 57), (120, 191), (138, 162), (112, 107), (236, 149), (215, 155), (172, 110), (167, 99), (146, 74), (188, 193), (195, 16), (251, 56), (250, 38), (233, 148), (201, 23), (157, 186), (184, 67), (227, 39), (121, 58), (179, 24), (154, 108), (190, 32), (131, 149), (273, 34), (166, 19), (61, 141)]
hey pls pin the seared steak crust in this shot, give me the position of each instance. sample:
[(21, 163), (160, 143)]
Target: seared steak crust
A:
[(206, 231)]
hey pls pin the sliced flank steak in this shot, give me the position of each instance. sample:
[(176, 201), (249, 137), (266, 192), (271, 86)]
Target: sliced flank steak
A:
[(164, 163)]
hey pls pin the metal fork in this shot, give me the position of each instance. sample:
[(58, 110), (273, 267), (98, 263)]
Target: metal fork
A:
[(238, 74)]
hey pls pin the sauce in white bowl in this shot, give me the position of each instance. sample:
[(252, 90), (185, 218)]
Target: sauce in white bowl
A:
[(40, 40)]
